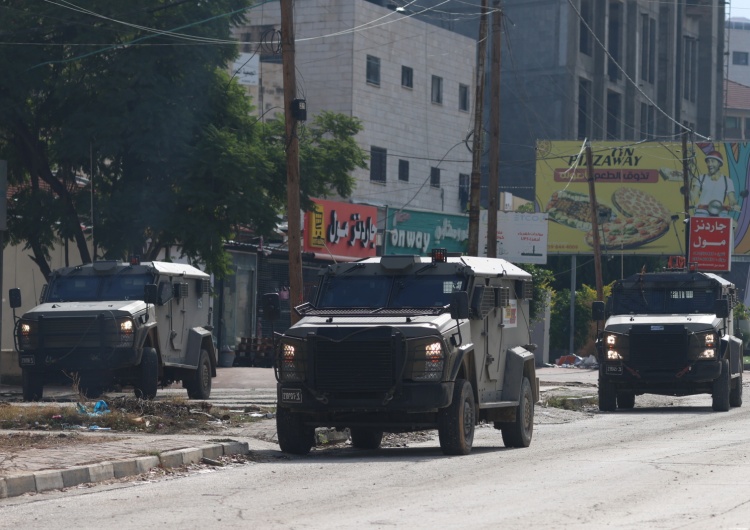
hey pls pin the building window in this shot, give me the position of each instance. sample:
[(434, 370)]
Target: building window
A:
[(689, 68), (247, 42), (463, 97), (437, 89), (732, 130), (614, 41), (648, 120), (740, 58), (435, 177), (463, 190), (373, 70), (407, 77), (584, 91), (403, 170), (648, 49), (378, 157), (584, 35), (614, 117)]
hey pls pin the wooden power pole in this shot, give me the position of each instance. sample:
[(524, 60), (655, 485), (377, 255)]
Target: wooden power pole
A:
[(686, 192), (595, 225), (494, 169), (476, 148), (292, 158)]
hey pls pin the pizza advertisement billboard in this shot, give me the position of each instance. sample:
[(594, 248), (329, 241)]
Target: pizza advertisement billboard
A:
[(521, 237), (340, 230), (418, 232), (710, 243), (641, 206)]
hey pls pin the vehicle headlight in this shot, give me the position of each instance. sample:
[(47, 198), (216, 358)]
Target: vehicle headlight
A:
[(26, 334), (125, 332), (292, 365), (703, 346), (428, 361), (615, 346)]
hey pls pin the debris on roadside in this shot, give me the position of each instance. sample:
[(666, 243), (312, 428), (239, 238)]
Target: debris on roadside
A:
[(575, 361)]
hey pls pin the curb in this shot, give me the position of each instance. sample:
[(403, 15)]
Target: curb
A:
[(56, 479)]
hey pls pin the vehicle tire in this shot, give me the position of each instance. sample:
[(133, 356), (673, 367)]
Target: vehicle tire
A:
[(721, 389), (366, 438), (735, 395), (199, 386), (518, 433), (32, 385), (625, 400), (456, 421), (607, 396), (294, 436), (148, 376)]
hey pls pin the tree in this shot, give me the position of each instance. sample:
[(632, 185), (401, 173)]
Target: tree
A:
[(150, 118)]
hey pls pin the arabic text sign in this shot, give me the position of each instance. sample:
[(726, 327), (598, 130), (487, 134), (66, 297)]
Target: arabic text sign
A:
[(341, 229), (710, 243), (521, 237), (245, 69), (415, 232)]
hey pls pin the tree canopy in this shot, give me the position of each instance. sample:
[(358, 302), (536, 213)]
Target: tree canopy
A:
[(126, 111)]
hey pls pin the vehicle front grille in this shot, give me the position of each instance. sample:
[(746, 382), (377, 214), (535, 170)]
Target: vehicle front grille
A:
[(658, 348), (77, 332), (354, 366)]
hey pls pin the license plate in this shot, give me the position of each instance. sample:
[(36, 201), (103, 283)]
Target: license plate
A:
[(27, 361), (291, 395), (614, 370)]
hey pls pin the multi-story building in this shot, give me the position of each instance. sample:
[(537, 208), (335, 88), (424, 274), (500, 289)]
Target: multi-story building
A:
[(598, 69), (738, 50), (409, 82)]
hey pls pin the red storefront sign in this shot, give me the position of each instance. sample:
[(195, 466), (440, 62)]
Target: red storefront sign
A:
[(711, 243), (341, 230)]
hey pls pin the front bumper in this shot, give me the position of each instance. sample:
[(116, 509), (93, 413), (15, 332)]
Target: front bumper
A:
[(79, 359), (687, 379)]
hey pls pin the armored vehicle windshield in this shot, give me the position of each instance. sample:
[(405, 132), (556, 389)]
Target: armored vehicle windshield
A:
[(662, 300), (90, 288), (386, 291)]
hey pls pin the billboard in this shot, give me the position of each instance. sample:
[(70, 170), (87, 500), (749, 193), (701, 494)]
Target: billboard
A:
[(340, 230), (521, 237), (639, 191), (418, 232)]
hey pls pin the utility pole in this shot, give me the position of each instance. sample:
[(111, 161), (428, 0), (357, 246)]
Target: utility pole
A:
[(476, 147), (292, 158), (595, 224), (686, 192), (494, 169)]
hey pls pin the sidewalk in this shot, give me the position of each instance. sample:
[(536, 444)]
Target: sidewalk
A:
[(108, 455)]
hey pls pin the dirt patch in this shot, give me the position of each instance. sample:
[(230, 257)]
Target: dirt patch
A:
[(17, 442)]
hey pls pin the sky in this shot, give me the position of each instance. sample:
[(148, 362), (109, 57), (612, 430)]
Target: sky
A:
[(738, 8)]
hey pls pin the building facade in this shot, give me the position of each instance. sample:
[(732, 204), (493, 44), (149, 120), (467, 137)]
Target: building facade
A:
[(409, 82), (599, 69)]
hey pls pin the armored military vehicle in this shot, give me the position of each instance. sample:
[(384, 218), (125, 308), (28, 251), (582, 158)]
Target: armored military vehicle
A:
[(669, 333), (113, 323), (408, 343)]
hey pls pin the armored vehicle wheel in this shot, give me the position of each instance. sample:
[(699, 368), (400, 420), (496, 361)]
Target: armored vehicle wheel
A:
[(625, 400), (720, 394), (148, 378), (199, 384), (607, 396), (735, 395), (366, 438), (32, 385), (294, 436), (456, 421), (518, 433)]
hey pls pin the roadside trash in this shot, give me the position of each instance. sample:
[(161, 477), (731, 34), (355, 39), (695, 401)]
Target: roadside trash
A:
[(69, 427), (567, 361), (590, 362), (97, 428), (57, 417), (99, 409)]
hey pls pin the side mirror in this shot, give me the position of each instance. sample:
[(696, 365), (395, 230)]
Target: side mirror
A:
[(597, 310), (721, 308), (271, 306), (150, 293), (14, 296), (459, 305)]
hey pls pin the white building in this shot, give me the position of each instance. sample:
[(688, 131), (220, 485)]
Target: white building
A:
[(738, 50), (410, 83)]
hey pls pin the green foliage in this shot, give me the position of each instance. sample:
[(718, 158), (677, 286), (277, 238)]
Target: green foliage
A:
[(526, 208), (741, 312), (175, 156), (543, 292)]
